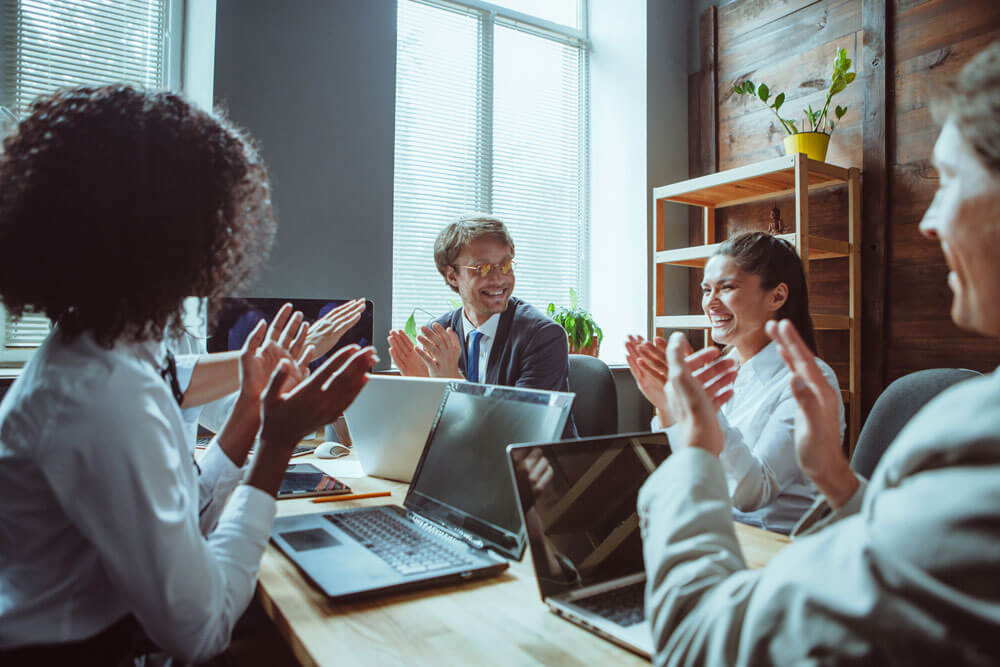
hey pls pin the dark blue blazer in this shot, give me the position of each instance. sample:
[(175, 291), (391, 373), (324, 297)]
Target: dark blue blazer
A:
[(530, 351)]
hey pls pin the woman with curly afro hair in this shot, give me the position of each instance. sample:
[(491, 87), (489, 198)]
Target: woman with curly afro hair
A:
[(115, 205)]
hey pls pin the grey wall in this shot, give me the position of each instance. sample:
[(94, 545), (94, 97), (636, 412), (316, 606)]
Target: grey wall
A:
[(314, 83), (667, 39)]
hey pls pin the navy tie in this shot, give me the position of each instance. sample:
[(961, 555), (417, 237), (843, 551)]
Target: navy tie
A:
[(472, 368)]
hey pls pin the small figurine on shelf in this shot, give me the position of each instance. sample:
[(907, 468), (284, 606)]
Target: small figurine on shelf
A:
[(777, 225)]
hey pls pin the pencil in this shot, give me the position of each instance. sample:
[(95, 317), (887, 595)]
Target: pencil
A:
[(352, 496)]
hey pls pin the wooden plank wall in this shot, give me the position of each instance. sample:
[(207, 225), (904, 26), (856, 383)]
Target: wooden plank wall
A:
[(790, 44)]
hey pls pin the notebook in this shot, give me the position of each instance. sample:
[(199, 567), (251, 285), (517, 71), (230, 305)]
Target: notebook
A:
[(583, 528), (389, 421), (460, 518)]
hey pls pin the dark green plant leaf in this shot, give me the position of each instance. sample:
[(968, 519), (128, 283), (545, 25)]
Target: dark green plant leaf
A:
[(837, 87), (738, 88), (583, 332), (763, 92), (778, 101), (850, 76), (840, 111), (750, 88)]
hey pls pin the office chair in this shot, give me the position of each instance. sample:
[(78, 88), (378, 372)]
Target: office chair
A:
[(900, 401), (595, 411)]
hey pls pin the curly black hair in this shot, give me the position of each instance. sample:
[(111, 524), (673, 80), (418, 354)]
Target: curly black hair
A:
[(118, 203)]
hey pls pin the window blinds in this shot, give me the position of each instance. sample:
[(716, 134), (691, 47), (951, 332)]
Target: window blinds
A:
[(491, 115), (70, 43), (50, 44)]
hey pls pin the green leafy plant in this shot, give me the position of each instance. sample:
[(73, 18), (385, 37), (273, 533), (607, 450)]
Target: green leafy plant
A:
[(578, 323), (410, 327), (815, 121)]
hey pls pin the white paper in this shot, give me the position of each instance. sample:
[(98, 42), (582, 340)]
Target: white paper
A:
[(341, 469)]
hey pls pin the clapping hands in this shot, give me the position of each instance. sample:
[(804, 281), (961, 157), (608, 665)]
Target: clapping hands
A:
[(817, 421), (437, 356), (686, 387)]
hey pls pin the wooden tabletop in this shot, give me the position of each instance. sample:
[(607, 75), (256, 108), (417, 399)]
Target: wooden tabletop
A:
[(495, 621)]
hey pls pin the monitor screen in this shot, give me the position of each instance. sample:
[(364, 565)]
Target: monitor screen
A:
[(581, 518), (237, 318), (462, 479)]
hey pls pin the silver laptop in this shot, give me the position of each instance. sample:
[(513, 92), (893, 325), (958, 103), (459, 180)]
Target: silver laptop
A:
[(460, 517), (389, 422), (583, 528)]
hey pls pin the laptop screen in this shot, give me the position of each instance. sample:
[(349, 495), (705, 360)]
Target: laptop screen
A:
[(579, 500), (462, 478), (237, 318)]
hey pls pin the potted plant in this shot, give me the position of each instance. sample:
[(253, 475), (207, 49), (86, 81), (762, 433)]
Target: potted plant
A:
[(814, 137), (583, 333)]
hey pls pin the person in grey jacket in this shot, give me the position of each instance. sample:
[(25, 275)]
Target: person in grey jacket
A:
[(902, 569)]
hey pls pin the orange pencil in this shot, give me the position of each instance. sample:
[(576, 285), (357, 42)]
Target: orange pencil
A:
[(352, 496)]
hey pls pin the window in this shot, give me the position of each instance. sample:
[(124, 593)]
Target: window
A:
[(58, 43), (491, 116)]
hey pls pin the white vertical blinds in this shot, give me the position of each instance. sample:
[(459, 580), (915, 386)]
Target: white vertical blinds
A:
[(50, 44), (489, 117)]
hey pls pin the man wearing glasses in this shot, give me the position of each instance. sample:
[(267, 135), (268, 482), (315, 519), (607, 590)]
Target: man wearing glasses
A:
[(494, 337)]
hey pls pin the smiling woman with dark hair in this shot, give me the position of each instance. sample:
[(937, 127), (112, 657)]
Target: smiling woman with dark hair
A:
[(752, 279), (115, 205)]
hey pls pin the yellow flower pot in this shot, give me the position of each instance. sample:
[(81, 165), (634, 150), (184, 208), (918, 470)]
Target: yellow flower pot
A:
[(813, 144)]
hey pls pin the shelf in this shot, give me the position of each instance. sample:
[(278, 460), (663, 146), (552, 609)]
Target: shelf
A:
[(820, 321), (697, 256), (763, 180)]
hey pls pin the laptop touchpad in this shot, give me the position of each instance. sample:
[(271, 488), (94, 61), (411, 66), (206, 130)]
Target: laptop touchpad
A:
[(306, 540)]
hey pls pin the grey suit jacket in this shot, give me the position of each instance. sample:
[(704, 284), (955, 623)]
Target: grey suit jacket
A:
[(530, 351), (908, 572)]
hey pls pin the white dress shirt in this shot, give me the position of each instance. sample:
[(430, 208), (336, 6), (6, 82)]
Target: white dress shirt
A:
[(100, 505), (767, 486), (489, 334)]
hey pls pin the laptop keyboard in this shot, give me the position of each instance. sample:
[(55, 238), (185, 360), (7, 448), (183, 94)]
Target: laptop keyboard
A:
[(400, 545), (624, 606)]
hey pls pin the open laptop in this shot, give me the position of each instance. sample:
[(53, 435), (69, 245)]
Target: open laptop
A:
[(583, 529), (460, 517), (389, 421)]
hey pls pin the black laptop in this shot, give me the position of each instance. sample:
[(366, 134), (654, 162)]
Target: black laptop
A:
[(460, 518), (579, 507)]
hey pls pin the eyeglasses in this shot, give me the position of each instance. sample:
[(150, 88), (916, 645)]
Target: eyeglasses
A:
[(485, 269)]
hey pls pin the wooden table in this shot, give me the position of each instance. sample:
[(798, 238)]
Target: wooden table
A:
[(494, 621)]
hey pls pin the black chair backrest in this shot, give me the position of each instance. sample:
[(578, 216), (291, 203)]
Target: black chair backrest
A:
[(900, 401), (595, 411)]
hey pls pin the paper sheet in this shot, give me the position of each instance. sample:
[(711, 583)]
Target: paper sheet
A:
[(340, 468)]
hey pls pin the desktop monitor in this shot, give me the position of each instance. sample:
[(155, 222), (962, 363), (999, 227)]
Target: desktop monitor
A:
[(236, 318)]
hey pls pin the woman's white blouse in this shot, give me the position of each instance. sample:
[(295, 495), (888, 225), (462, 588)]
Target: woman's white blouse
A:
[(102, 508), (767, 485)]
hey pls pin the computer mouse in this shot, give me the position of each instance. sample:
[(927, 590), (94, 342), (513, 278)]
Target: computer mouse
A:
[(332, 450)]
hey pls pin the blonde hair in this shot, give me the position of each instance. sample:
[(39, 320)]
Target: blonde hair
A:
[(463, 231)]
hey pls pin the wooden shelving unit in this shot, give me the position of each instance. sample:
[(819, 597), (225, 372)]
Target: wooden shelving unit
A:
[(795, 175)]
